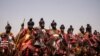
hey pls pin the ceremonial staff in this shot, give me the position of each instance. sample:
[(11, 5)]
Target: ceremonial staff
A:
[(18, 38), (22, 27)]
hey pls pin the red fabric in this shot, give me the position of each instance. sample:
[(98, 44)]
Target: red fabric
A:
[(65, 37), (27, 45), (25, 31)]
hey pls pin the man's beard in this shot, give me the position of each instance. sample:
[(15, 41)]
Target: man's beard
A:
[(7, 31), (54, 28), (30, 28), (42, 27)]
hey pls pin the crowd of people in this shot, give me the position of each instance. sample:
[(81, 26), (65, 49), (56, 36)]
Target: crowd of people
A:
[(39, 41)]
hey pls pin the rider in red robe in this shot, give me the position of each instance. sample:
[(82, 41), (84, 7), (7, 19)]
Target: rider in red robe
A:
[(53, 36), (43, 30), (71, 37), (63, 34), (54, 31), (26, 39), (7, 41)]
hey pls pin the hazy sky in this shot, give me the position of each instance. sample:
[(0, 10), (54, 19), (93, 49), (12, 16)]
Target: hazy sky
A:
[(67, 12)]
